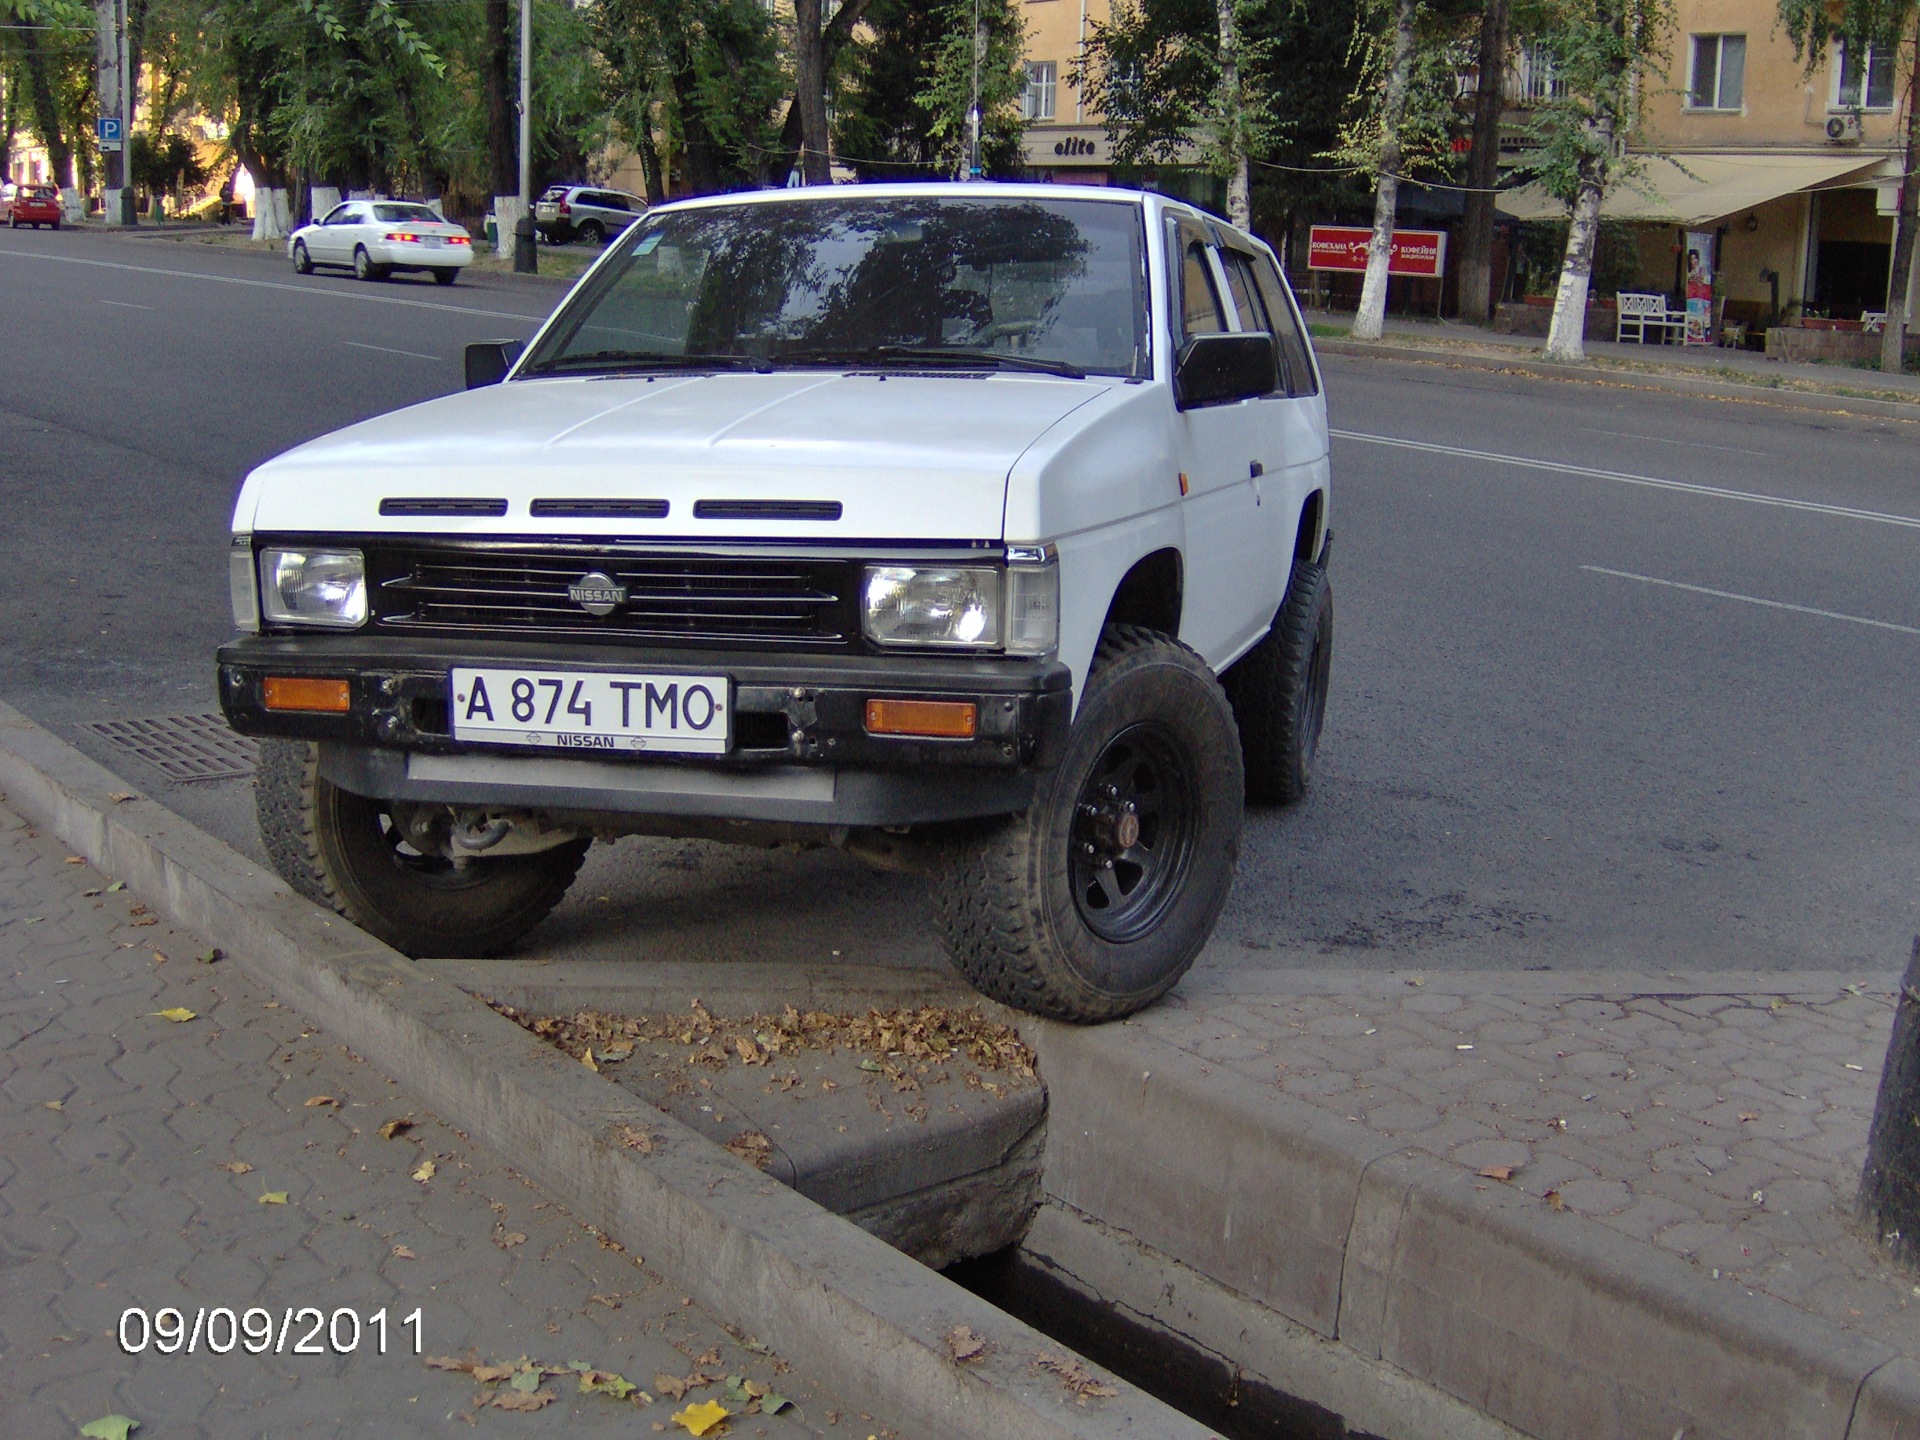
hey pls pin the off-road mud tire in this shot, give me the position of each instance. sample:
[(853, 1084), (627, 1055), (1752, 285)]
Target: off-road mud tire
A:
[(1279, 691), (1004, 891), (327, 844)]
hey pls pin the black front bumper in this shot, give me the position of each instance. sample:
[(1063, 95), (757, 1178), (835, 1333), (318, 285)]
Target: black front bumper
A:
[(800, 751)]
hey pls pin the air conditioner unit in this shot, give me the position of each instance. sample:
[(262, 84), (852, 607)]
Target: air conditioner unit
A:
[(1844, 129)]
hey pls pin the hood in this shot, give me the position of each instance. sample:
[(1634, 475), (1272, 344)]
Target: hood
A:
[(910, 457)]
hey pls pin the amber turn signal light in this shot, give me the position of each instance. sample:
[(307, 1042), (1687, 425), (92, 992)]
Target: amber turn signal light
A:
[(297, 692), (931, 719)]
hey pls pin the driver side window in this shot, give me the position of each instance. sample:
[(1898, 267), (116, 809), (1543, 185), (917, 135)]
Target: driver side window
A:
[(1200, 310), (343, 215)]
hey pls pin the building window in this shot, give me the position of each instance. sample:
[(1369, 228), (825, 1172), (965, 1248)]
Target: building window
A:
[(1042, 76), (1850, 93), (1719, 72), (1534, 77)]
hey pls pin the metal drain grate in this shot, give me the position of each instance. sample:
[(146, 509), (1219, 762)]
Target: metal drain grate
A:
[(181, 747)]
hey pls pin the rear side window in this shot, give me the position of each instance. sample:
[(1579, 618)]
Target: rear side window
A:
[(1296, 361)]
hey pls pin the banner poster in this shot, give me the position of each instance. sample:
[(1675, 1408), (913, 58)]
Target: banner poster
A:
[(1699, 287)]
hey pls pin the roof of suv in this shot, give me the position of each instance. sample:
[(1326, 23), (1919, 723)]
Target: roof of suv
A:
[(924, 189)]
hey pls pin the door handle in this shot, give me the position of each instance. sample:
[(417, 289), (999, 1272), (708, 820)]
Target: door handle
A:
[(1255, 469)]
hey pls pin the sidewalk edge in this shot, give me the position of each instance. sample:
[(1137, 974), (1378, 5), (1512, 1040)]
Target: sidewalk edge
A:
[(1633, 379), (1547, 1321), (863, 1318)]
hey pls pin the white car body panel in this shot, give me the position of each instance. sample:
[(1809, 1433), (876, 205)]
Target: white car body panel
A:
[(1093, 467), (334, 244)]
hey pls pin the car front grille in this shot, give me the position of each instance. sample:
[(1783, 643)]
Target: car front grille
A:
[(688, 599)]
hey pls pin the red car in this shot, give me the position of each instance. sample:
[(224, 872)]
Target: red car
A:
[(34, 205)]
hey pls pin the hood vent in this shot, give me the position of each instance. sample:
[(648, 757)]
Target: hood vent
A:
[(766, 509), (429, 505), (599, 509)]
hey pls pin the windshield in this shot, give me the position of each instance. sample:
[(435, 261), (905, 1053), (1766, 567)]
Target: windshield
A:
[(1031, 284), (393, 214)]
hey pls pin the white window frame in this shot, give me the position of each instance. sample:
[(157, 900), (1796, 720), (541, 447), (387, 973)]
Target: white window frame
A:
[(1039, 101), (1838, 104), (1718, 107)]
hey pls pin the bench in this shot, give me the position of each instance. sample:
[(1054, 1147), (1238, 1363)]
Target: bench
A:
[(1641, 313)]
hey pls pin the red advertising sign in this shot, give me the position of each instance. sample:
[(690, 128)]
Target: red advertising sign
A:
[(1419, 253)]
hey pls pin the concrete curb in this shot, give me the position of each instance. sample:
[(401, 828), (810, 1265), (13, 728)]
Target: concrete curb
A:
[(1549, 1322), (858, 1315), (1673, 384)]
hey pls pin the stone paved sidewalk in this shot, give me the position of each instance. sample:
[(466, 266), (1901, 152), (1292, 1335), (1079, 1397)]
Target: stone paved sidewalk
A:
[(134, 1152), (1720, 1118)]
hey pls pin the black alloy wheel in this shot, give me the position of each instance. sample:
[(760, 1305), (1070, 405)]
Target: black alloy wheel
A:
[(1133, 832)]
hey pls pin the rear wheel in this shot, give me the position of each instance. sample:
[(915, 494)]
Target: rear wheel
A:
[(594, 233), (363, 266), (302, 261), (55, 225), (349, 853), (1279, 690), (445, 276), (1093, 902)]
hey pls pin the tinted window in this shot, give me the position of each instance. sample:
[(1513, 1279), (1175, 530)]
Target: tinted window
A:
[(1240, 286), (1200, 309), (1296, 361), (339, 215), (397, 214), (1047, 280)]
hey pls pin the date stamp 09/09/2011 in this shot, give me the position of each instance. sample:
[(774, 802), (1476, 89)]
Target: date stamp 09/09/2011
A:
[(306, 1330)]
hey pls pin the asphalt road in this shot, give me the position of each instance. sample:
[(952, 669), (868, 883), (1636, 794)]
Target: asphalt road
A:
[(1650, 706)]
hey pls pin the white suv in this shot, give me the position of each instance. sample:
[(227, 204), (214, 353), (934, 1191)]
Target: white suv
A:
[(976, 529)]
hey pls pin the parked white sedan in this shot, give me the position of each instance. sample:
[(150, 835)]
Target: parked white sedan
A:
[(374, 238)]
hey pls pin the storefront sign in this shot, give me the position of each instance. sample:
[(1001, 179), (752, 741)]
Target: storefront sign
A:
[(1699, 287), (1418, 253), (1052, 147)]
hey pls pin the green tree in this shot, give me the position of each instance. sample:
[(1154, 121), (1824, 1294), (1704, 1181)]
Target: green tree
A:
[(49, 45), (1605, 53), (1890, 27)]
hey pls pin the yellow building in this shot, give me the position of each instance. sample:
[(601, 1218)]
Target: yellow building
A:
[(1064, 139), (1797, 175)]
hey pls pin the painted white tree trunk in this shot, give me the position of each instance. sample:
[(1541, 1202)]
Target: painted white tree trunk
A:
[(1372, 316), (73, 205), (1567, 336), (323, 198), (506, 213), (270, 213)]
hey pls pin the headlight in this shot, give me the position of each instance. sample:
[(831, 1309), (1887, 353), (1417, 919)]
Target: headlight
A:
[(945, 605), (313, 587), (241, 589), (1033, 601)]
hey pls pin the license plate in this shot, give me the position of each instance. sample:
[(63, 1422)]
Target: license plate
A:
[(569, 710)]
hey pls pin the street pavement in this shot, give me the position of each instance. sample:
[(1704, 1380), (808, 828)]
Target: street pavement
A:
[(235, 1161), (1578, 720)]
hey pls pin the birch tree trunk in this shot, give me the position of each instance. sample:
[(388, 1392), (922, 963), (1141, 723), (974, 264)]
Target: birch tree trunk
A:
[(1893, 341), (1566, 338), (1371, 319), (1483, 168), (1239, 186)]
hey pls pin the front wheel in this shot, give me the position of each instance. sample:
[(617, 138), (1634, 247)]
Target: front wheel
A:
[(1279, 690), (1093, 902), (349, 853), (363, 266), (302, 261)]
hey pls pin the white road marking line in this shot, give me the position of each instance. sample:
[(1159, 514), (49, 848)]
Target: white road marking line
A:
[(389, 350), (1652, 482), (126, 305), (275, 285), (1753, 600), (1662, 440)]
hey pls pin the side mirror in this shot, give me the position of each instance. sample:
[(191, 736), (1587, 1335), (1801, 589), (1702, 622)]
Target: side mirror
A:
[(1216, 369), (488, 361)]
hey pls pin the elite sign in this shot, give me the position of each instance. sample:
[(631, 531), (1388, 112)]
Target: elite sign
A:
[(1418, 253)]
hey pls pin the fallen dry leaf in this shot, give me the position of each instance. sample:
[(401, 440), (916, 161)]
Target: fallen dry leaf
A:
[(110, 1427), (1554, 1202), (315, 1101), (487, 1374), (615, 1052), (753, 1147), (699, 1419), (395, 1127), (587, 1060), (636, 1137), (53, 1104), (179, 1014), (120, 797), (144, 921), (401, 1252), (1746, 1115), (238, 1167), (76, 860), (1496, 1172), (448, 1362), (272, 1197), (1074, 1375), (612, 1302), (507, 1239), (424, 1172), (964, 1345), (211, 957), (521, 1399)]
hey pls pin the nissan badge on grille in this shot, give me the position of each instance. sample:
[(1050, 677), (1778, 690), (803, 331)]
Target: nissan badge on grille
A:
[(597, 593)]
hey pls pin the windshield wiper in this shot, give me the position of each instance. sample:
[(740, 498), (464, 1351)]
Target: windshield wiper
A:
[(619, 361), (939, 355)]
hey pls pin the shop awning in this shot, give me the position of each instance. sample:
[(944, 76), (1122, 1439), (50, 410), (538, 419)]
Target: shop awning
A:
[(1698, 189)]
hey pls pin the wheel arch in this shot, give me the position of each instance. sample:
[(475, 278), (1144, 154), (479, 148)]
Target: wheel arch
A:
[(1151, 593)]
